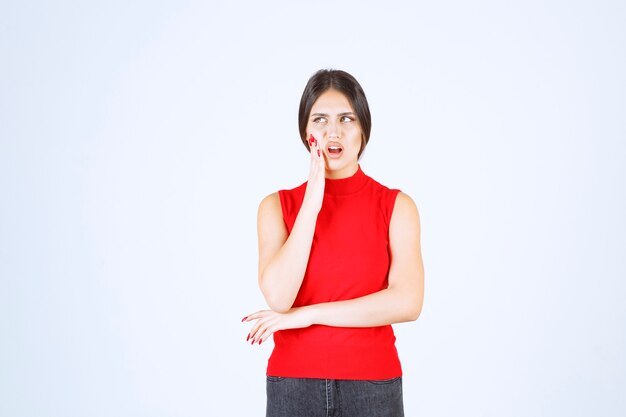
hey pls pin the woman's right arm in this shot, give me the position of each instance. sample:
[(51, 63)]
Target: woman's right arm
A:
[(283, 257)]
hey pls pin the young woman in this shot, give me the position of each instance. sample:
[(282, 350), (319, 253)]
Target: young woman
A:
[(339, 262)]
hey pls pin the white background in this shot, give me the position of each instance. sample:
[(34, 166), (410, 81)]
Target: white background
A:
[(137, 139)]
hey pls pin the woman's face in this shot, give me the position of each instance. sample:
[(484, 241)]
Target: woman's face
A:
[(333, 123)]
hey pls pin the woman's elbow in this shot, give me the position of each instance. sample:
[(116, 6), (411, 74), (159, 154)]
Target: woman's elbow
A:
[(276, 302), (279, 306), (413, 308), (414, 312)]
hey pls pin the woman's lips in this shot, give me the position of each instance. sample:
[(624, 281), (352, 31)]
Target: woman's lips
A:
[(334, 150)]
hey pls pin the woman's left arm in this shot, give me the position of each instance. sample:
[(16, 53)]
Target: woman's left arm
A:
[(401, 301)]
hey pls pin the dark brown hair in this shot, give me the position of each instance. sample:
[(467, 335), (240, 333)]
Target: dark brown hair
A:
[(327, 79)]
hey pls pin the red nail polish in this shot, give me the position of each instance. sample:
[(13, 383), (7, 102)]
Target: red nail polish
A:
[(260, 341), (244, 319), (248, 338), (318, 152)]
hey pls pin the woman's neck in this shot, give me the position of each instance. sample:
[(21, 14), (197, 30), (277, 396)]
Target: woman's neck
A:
[(344, 172), (346, 185)]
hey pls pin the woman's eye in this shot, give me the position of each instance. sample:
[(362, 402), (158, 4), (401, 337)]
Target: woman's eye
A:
[(346, 119), (319, 120)]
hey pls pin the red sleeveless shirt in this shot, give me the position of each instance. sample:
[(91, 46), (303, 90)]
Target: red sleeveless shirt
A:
[(349, 258)]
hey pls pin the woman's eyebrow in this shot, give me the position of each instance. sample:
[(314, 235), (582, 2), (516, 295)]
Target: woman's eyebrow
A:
[(347, 113)]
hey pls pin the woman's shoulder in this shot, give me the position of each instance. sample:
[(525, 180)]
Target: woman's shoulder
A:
[(405, 210), (405, 199), (381, 187), (276, 196), (395, 194), (270, 199), (270, 207), (398, 204), (283, 201)]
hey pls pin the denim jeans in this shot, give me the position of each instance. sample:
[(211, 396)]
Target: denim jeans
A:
[(307, 397)]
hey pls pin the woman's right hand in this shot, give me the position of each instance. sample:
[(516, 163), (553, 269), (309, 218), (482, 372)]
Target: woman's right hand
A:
[(314, 194)]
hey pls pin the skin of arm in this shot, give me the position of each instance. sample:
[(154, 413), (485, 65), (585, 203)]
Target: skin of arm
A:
[(283, 257), (402, 301)]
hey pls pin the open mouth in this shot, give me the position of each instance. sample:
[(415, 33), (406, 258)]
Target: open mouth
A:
[(334, 149)]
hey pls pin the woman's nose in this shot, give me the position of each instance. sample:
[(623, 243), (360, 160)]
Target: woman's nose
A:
[(333, 131)]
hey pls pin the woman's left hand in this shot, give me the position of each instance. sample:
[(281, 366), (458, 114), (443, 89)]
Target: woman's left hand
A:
[(268, 322)]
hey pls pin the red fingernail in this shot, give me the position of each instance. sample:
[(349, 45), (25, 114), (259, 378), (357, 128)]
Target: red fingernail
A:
[(248, 338), (244, 319), (318, 152), (260, 341)]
